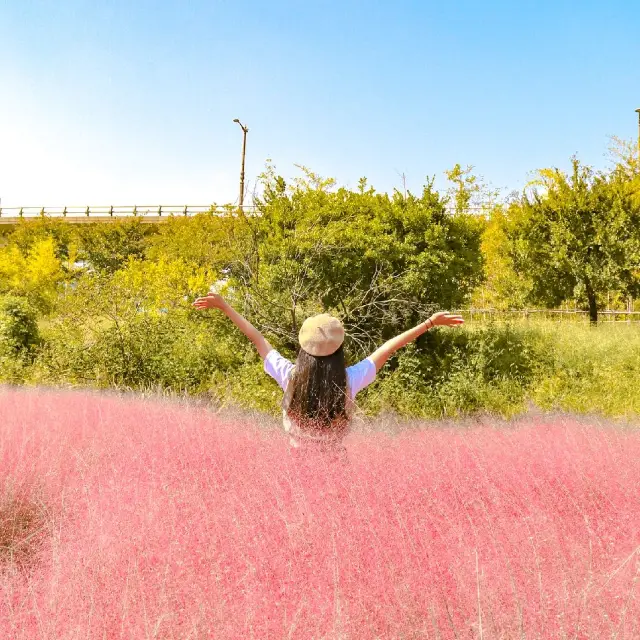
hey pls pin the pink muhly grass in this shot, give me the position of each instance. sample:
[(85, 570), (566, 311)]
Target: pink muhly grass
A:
[(165, 520)]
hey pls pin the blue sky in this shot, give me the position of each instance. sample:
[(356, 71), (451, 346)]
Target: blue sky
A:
[(132, 102)]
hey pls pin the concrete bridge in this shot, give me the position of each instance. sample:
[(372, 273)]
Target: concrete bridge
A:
[(89, 214)]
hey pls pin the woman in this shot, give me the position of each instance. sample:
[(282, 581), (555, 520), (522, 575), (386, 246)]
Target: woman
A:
[(319, 389)]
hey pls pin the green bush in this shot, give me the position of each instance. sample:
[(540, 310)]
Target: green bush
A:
[(19, 338), (107, 247), (452, 373), (18, 326), (497, 368), (173, 351)]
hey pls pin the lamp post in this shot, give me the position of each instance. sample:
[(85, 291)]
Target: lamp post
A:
[(244, 149), (638, 112)]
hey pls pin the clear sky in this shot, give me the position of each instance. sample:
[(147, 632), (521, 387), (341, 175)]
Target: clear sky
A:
[(132, 101)]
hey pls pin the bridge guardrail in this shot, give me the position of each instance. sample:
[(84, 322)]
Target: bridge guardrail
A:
[(156, 211), (117, 211)]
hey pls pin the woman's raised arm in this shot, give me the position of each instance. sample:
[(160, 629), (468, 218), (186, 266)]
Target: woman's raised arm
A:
[(440, 319), (216, 301)]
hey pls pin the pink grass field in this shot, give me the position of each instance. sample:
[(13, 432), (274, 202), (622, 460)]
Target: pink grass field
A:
[(153, 519)]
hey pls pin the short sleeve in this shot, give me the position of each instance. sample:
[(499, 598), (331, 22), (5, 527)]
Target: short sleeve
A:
[(278, 368), (361, 375)]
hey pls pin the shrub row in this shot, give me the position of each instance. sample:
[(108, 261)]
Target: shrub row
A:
[(497, 367)]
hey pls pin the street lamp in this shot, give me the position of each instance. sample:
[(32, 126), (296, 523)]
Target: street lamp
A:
[(244, 148), (638, 112)]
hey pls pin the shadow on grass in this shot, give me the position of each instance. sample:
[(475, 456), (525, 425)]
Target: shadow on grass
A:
[(23, 528)]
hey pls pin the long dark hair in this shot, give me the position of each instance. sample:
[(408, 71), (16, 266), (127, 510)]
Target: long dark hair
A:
[(319, 392)]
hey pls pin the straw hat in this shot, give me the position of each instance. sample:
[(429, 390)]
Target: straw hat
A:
[(321, 335)]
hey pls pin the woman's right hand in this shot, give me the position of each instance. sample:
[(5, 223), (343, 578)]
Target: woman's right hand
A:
[(444, 319), (210, 301)]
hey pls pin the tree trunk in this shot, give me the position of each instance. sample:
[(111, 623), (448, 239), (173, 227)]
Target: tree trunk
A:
[(593, 307)]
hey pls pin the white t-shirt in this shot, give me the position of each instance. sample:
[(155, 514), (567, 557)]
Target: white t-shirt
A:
[(359, 375)]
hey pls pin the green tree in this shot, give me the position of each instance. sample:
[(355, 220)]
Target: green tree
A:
[(205, 240), (624, 154), (579, 236), (107, 247), (503, 288), (465, 189), (378, 261), (32, 231)]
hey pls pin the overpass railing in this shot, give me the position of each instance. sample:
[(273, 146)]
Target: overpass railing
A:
[(11, 214), (154, 212)]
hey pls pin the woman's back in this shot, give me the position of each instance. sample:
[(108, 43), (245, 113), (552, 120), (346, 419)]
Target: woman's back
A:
[(318, 409)]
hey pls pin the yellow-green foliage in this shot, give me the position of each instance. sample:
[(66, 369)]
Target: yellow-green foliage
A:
[(205, 240), (163, 284), (35, 274), (503, 287)]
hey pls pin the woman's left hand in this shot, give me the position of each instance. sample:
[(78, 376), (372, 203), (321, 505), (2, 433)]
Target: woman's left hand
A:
[(444, 319)]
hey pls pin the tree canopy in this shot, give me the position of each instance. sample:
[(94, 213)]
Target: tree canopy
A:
[(577, 235)]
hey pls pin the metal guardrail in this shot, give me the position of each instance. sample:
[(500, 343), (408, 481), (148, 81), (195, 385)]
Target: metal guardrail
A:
[(9, 215), (148, 213)]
